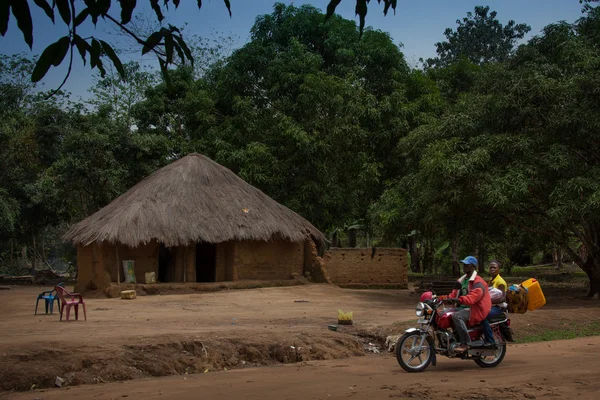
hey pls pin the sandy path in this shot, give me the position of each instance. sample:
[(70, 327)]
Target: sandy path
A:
[(559, 370)]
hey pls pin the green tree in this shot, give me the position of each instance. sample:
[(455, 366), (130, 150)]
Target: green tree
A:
[(117, 95), (479, 37), (307, 97), (520, 149)]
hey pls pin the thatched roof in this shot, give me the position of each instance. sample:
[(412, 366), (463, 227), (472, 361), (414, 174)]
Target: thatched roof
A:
[(194, 199)]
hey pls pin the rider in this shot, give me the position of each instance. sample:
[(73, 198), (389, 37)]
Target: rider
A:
[(495, 282), (474, 299)]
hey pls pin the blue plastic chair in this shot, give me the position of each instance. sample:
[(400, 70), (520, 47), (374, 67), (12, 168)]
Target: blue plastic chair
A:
[(49, 296)]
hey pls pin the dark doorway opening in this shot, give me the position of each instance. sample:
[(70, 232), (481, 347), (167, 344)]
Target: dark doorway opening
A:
[(206, 262), (164, 259)]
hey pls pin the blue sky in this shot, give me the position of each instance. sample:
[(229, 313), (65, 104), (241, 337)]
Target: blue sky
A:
[(418, 25)]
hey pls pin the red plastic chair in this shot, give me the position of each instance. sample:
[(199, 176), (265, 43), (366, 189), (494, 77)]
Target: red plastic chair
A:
[(69, 300)]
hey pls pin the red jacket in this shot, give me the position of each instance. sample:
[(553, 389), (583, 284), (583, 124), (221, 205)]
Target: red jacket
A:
[(477, 298)]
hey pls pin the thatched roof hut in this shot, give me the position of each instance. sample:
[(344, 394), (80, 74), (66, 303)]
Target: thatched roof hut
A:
[(192, 201)]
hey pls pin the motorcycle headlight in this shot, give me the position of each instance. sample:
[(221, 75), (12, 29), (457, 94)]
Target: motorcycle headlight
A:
[(420, 310)]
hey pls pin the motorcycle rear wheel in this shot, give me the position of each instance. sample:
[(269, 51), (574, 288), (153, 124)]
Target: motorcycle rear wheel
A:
[(406, 352), (497, 359)]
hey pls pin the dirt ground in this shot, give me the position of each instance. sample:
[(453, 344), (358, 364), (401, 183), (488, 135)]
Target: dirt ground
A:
[(155, 336), (533, 371)]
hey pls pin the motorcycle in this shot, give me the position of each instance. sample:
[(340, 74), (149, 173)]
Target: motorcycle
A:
[(435, 336)]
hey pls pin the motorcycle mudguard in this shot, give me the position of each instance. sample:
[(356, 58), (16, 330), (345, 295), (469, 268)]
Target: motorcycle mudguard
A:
[(429, 341), (506, 332)]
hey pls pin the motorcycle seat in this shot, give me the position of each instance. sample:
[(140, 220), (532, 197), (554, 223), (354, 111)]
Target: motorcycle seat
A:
[(497, 318)]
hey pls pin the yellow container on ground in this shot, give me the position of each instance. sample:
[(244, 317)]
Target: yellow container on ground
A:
[(535, 294), (128, 294), (150, 277), (345, 318)]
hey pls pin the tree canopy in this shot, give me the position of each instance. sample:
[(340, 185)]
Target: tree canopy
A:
[(480, 37), (494, 154)]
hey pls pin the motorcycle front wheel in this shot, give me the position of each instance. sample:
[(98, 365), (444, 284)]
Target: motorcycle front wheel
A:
[(408, 354)]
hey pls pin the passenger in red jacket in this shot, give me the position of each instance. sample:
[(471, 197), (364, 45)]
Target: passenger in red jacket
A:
[(474, 299)]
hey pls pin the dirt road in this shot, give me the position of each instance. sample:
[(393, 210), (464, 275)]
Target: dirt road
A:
[(183, 334), (558, 370)]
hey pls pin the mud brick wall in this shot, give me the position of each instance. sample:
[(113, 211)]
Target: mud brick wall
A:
[(85, 276), (314, 266), (145, 259), (224, 261), (92, 272), (357, 265), (268, 260)]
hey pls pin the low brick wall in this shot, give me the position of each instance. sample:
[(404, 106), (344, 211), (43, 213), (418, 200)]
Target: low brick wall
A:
[(268, 260), (367, 266)]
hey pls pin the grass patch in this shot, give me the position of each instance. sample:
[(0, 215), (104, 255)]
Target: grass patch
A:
[(584, 329)]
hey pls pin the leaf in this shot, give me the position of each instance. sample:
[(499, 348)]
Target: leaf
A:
[(43, 64), (4, 16), (185, 48), (179, 52), (361, 11), (64, 10), (113, 57), (82, 16), (20, 9), (169, 48), (156, 8), (94, 10), (51, 54), (62, 46), (228, 5), (331, 8), (176, 2), (43, 4), (82, 47), (103, 6), (199, 3), (127, 7), (95, 53), (152, 41), (387, 7), (101, 68)]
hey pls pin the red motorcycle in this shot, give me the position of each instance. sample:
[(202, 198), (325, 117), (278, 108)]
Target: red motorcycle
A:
[(417, 347)]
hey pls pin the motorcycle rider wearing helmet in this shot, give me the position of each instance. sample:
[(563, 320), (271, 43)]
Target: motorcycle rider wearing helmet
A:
[(474, 299)]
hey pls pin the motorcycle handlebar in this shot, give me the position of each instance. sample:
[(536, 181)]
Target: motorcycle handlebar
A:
[(453, 300)]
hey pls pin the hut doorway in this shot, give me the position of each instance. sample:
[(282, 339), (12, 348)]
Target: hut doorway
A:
[(206, 265), (164, 259)]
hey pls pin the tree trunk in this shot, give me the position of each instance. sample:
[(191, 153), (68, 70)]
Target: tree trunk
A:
[(12, 264), (592, 269), (455, 263), (43, 248), (334, 240), (352, 238), (415, 260), (481, 253), (33, 251), (428, 258), (558, 256)]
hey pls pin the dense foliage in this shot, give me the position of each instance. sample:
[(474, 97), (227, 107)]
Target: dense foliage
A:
[(491, 149)]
